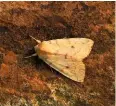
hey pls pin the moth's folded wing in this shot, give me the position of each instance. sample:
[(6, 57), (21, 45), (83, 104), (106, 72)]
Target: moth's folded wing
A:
[(78, 48), (69, 67)]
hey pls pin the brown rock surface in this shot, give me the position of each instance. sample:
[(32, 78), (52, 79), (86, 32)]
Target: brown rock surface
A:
[(10, 58), (25, 82)]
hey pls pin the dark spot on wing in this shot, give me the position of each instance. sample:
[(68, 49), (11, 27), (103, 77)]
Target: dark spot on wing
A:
[(66, 56), (72, 47), (67, 67)]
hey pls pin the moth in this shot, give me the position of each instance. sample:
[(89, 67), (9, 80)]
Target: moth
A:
[(65, 55)]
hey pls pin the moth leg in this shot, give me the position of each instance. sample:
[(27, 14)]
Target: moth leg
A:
[(38, 41), (31, 55)]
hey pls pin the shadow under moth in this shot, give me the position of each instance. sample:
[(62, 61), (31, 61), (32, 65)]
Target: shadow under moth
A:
[(65, 55)]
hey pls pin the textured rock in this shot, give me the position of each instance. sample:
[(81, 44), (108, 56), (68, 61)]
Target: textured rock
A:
[(25, 82)]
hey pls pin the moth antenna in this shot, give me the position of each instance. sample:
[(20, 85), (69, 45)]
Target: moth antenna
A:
[(38, 41), (35, 54)]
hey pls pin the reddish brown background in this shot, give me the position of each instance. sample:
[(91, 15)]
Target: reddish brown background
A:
[(25, 82)]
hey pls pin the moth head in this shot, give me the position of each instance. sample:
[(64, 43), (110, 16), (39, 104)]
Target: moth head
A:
[(36, 47)]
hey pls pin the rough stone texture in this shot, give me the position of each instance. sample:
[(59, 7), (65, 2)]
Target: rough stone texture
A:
[(30, 82)]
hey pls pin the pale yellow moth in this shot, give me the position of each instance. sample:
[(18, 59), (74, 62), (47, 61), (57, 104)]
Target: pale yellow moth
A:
[(65, 55)]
